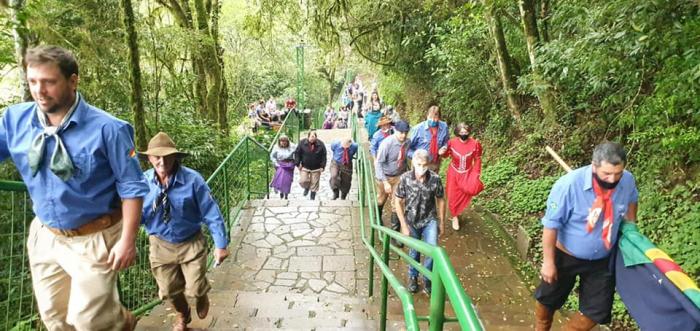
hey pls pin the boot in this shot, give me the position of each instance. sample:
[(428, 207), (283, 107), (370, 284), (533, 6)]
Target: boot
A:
[(184, 316), (579, 322), (343, 195), (203, 307), (543, 317), (313, 195), (396, 226), (336, 192), (129, 321)]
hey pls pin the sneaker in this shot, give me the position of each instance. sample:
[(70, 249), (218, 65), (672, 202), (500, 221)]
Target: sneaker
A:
[(306, 192), (313, 195), (455, 223), (412, 284)]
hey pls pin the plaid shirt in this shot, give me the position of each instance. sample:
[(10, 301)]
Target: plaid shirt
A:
[(420, 207)]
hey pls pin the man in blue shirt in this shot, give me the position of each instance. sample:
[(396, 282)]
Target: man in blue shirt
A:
[(173, 213), (341, 167), (87, 188), (584, 212), (431, 135), (384, 131)]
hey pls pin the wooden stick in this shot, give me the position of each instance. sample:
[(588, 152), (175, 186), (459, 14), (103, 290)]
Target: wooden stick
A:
[(558, 159)]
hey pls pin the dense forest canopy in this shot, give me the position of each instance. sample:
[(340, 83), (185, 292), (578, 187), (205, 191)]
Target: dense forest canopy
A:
[(523, 74)]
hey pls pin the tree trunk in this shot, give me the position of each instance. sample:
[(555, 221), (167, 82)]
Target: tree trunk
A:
[(544, 17), (223, 93), (505, 63), (21, 40), (545, 93), (135, 66)]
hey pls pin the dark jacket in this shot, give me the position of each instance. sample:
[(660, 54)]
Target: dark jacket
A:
[(308, 159)]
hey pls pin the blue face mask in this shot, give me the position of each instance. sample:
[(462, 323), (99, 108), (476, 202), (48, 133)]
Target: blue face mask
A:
[(432, 123)]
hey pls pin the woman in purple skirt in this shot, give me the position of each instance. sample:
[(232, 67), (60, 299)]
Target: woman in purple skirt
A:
[(282, 158)]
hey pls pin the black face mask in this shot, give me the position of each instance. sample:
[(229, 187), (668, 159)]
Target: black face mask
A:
[(463, 136), (604, 184)]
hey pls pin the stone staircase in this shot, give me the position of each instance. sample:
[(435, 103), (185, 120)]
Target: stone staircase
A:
[(296, 265)]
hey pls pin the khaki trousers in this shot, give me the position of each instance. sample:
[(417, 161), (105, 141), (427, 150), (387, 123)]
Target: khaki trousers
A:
[(382, 196), (309, 179), (75, 287), (341, 177), (180, 267)]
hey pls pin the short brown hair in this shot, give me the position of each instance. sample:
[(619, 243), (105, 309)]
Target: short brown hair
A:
[(459, 127), (53, 54), (434, 110)]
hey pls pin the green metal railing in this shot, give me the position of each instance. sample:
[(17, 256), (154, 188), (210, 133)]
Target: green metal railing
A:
[(244, 174), (16, 296), (443, 277)]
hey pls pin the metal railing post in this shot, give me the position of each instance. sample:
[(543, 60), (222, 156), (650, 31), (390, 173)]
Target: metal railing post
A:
[(385, 284), (247, 165), (226, 196), (437, 301)]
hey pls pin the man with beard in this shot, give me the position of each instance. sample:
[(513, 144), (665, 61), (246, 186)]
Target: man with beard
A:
[(87, 188), (584, 212)]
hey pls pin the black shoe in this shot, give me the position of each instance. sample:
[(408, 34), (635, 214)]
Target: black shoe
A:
[(286, 196), (428, 287), (343, 196), (313, 195), (412, 284), (281, 195), (396, 226), (335, 194), (306, 191)]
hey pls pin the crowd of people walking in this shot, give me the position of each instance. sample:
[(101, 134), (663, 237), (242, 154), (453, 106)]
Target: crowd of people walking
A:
[(90, 197)]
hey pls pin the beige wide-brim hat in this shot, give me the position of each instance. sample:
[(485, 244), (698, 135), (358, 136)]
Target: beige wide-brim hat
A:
[(162, 145), (384, 120)]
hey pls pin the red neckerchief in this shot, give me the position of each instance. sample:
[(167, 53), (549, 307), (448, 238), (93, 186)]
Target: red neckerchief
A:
[(402, 155), (434, 144), (346, 155), (602, 205), (312, 146), (386, 134)]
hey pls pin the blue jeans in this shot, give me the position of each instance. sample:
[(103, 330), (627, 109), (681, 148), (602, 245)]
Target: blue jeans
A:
[(429, 234)]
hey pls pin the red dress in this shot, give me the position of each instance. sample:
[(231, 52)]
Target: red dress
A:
[(463, 180)]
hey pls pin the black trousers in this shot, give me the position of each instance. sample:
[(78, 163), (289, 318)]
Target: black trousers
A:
[(597, 286)]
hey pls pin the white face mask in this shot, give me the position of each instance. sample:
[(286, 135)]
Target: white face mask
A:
[(419, 170)]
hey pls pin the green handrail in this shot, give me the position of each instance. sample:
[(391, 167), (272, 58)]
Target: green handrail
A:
[(443, 277)]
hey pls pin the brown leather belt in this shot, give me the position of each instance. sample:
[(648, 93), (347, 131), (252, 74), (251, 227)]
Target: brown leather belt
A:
[(103, 222)]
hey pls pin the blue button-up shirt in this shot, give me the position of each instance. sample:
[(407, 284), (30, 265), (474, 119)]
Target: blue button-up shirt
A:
[(337, 149), (567, 209), (191, 204), (377, 139), (421, 138), (102, 150)]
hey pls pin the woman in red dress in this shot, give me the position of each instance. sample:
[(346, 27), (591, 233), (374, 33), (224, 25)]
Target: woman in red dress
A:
[(463, 180)]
